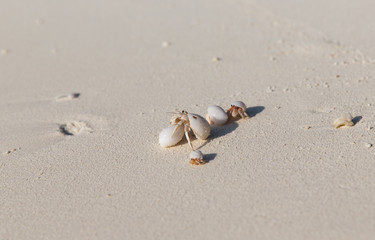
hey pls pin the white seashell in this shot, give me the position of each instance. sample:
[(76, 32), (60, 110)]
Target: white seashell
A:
[(199, 126), (237, 108), (344, 121), (171, 135), (239, 104), (196, 158), (182, 123), (216, 115)]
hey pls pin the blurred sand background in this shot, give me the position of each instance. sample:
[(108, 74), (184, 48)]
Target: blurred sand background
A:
[(285, 173)]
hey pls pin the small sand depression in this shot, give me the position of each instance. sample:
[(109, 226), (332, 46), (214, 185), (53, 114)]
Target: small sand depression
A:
[(75, 128)]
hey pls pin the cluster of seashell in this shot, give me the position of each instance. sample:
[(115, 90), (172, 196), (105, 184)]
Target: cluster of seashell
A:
[(217, 116), (184, 123)]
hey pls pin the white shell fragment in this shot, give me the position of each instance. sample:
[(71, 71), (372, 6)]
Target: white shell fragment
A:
[(196, 158), (216, 115), (345, 121), (237, 108), (200, 127), (171, 135)]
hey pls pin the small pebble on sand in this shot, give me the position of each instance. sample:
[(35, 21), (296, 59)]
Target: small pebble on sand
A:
[(4, 51), (216, 59), (166, 44), (368, 145)]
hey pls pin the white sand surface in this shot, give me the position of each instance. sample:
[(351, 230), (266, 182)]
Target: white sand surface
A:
[(285, 173)]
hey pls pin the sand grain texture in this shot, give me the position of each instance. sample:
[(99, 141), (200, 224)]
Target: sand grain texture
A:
[(267, 177)]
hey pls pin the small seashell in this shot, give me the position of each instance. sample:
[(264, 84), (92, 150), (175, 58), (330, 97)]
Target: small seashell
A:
[(239, 104), (216, 115), (216, 59), (368, 145), (171, 135), (166, 44), (344, 121), (196, 158), (200, 127), (237, 108)]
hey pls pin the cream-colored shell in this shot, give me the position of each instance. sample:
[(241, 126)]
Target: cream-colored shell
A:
[(216, 115), (239, 104), (345, 121), (196, 155), (200, 127), (166, 139)]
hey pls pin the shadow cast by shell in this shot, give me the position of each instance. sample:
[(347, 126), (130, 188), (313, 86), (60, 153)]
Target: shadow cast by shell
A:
[(253, 111), (356, 119), (219, 131), (209, 157)]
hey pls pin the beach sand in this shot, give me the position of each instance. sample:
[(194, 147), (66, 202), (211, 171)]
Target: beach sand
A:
[(91, 167)]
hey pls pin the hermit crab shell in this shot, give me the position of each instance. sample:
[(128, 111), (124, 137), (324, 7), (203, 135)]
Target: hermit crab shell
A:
[(216, 115), (196, 158), (239, 104), (167, 138), (196, 155), (201, 128)]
